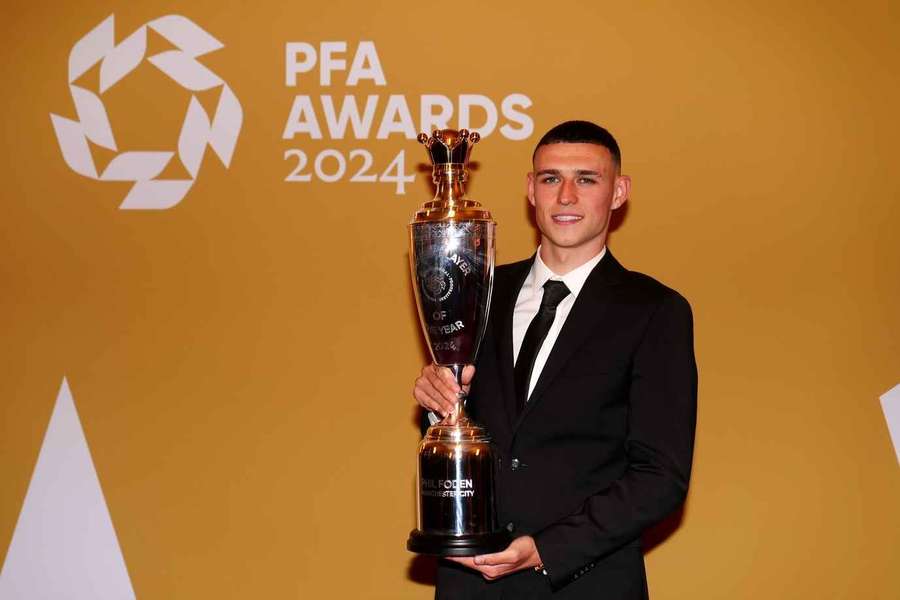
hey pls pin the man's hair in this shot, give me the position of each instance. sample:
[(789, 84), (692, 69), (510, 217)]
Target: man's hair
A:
[(581, 132)]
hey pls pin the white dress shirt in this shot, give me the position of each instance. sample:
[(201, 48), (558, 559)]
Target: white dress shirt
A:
[(529, 302)]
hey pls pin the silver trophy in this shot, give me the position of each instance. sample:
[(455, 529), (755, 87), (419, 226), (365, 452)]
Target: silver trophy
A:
[(452, 262)]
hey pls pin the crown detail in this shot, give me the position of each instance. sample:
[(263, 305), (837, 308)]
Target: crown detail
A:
[(449, 146)]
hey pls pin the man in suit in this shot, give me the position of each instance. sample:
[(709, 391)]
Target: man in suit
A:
[(587, 382)]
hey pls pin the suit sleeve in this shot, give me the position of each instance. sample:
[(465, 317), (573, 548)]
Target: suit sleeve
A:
[(662, 414)]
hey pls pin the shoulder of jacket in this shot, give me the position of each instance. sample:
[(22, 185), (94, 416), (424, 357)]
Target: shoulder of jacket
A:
[(653, 290), (513, 269)]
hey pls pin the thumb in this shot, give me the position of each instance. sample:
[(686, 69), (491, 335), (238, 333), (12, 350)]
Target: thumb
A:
[(498, 558), (467, 374)]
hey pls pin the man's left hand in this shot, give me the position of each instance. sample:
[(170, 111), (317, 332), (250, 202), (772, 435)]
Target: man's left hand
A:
[(522, 553)]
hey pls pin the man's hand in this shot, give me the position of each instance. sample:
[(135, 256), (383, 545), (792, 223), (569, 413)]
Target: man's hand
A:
[(436, 389), (521, 554)]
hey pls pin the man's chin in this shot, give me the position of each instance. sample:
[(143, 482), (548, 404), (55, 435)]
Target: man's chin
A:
[(564, 242), (571, 242)]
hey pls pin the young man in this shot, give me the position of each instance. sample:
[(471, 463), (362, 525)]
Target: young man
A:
[(586, 379)]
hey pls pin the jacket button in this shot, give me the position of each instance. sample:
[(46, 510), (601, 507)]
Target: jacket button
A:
[(514, 464), (510, 527)]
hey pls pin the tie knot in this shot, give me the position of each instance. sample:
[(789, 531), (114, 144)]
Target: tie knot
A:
[(554, 293)]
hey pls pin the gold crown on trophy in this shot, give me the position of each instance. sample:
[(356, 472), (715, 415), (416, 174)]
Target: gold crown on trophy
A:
[(449, 152), (449, 146)]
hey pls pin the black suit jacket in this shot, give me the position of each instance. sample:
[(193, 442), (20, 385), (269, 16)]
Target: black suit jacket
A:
[(603, 448)]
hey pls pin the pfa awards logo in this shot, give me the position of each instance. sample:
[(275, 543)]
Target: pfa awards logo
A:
[(199, 130)]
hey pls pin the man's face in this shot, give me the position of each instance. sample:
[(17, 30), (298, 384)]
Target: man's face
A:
[(574, 188)]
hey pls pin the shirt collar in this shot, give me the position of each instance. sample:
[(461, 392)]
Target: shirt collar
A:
[(540, 273)]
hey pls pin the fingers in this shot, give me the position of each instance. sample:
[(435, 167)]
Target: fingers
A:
[(498, 558), (466, 561), (442, 380), (495, 572), (428, 398), (436, 390), (467, 374), (489, 572), (520, 554)]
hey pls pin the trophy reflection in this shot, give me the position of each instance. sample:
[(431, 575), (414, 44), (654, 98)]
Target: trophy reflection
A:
[(452, 262)]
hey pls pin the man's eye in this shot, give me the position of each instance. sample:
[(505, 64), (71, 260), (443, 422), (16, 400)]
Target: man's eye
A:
[(549, 179), (588, 180)]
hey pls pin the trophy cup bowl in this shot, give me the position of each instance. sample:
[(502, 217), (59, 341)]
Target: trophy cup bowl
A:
[(452, 263)]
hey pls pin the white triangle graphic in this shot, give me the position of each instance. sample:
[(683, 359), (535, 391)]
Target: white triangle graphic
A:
[(64, 545)]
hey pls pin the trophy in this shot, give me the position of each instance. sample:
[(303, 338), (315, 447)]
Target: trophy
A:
[(452, 262)]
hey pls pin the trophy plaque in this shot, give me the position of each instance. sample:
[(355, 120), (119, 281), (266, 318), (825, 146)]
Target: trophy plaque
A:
[(452, 263)]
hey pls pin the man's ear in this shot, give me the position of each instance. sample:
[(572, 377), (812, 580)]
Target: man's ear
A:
[(529, 179), (621, 191)]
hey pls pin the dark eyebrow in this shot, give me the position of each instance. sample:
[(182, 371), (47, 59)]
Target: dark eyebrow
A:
[(557, 172)]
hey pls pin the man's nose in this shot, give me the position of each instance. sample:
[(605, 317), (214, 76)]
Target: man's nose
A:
[(567, 192)]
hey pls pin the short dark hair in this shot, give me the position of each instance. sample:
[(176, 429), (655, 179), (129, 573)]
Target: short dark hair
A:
[(581, 132)]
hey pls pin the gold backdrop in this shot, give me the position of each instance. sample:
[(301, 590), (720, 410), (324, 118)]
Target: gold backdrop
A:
[(242, 362)]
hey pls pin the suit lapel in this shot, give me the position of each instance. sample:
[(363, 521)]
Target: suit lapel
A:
[(507, 294), (578, 328)]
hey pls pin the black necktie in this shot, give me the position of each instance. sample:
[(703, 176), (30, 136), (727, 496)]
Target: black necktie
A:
[(554, 293)]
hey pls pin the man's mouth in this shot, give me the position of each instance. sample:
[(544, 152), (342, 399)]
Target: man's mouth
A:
[(566, 219)]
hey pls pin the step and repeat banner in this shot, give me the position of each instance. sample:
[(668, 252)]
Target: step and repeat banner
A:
[(209, 334)]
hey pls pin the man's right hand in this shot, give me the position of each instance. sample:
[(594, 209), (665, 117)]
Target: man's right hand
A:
[(436, 389)]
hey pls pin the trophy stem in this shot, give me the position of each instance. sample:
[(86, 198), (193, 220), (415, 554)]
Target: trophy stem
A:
[(448, 189), (457, 370)]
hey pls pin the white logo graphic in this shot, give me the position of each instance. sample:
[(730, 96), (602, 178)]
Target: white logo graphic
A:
[(64, 544), (890, 405), (437, 284), (198, 130)]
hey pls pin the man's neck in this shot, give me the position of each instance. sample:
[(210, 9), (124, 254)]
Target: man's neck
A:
[(562, 260)]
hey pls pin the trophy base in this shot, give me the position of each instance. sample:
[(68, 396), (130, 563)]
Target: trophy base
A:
[(457, 545)]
